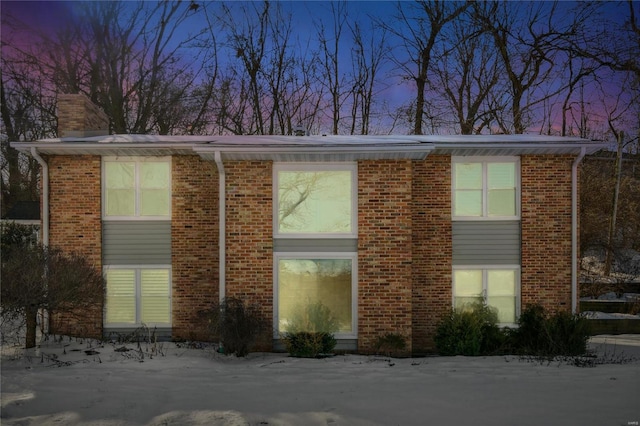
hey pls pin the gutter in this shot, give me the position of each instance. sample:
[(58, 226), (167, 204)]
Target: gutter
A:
[(574, 230), (45, 195), (222, 242)]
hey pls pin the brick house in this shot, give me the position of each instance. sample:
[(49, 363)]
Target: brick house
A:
[(389, 232)]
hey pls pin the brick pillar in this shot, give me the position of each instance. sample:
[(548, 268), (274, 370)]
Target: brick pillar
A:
[(194, 244), (249, 220), (546, 231), (76, 226), (384, 251), (79, 117), (432, 247)]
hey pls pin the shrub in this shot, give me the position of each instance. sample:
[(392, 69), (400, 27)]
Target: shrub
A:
[(237, 324), (304, 344), (391, 344), (310, 331), (541, 334), (470, 331), (36, 277)]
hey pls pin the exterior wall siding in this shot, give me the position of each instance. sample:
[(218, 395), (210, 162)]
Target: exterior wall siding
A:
[(249, 235), (432, 248), (546, 231), (75, 226), (486, 242), (136, 243), (384, 251), (194, 244)]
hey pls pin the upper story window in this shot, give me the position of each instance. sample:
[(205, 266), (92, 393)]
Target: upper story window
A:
[(486, 187), (315, 200), (137, 187)]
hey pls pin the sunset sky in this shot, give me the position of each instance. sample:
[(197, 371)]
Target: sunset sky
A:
[(47, 17)]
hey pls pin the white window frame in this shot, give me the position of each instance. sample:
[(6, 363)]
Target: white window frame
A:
[(485, 190), (318, 255), (138, 300), (137, 160), (485, 269), (317, 167)]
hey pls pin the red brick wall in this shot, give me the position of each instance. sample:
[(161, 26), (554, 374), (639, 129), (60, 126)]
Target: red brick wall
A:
[(75, 226), (432, 247), (384, 251), (546, 231), (249, 235), (194, 244)]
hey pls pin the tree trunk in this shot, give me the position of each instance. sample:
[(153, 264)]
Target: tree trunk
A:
[(31, 314), (614, 210)]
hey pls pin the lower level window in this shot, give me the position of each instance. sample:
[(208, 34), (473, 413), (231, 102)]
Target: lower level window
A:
[(138, 296), (314, 290), (497, 287)]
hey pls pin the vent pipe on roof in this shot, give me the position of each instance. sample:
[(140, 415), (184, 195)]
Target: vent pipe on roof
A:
[(300, 131)]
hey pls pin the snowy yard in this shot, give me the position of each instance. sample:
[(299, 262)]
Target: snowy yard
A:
[(61, 384)]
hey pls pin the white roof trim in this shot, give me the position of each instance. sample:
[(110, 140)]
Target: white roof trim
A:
[(309, 147)]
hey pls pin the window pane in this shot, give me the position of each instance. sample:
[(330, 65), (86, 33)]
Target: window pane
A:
[(120, 202), (501, 282), (468, 283), (501, 292), (155, 296), (501, 175), (120, 303), (468, 203), (468, 175), (463, 303), (119, 174), (120, 189), (154, 174), (314, 202), (304, 284), (154, 202), (502, 202), (506, 307)]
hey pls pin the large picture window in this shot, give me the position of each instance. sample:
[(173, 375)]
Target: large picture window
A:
[(485, 188), (138, 296), (315, 200), (306, 282), (497, 287), (137, 187)]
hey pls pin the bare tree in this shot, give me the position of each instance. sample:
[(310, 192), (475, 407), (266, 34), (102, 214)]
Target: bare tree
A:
[(418, 26), (467, 70), (368, 55), (248, 37), (333, 78), (528, 38)]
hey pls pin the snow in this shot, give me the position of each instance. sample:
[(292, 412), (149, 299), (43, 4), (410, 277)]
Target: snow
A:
[(59, 383)]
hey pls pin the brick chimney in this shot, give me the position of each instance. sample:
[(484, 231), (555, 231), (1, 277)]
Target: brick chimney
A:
[(79, 117)]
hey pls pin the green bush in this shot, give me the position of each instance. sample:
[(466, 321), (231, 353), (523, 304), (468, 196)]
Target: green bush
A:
[(305, 344), (309, 333), (541, 334), (471, 331), (237, 324), (391, 344)]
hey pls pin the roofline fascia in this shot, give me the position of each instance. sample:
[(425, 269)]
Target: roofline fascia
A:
[(595, 146)]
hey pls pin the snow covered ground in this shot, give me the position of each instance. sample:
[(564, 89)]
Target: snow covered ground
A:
[(61, 384)]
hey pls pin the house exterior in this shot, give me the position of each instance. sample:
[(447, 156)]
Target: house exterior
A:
[(388, 232)]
